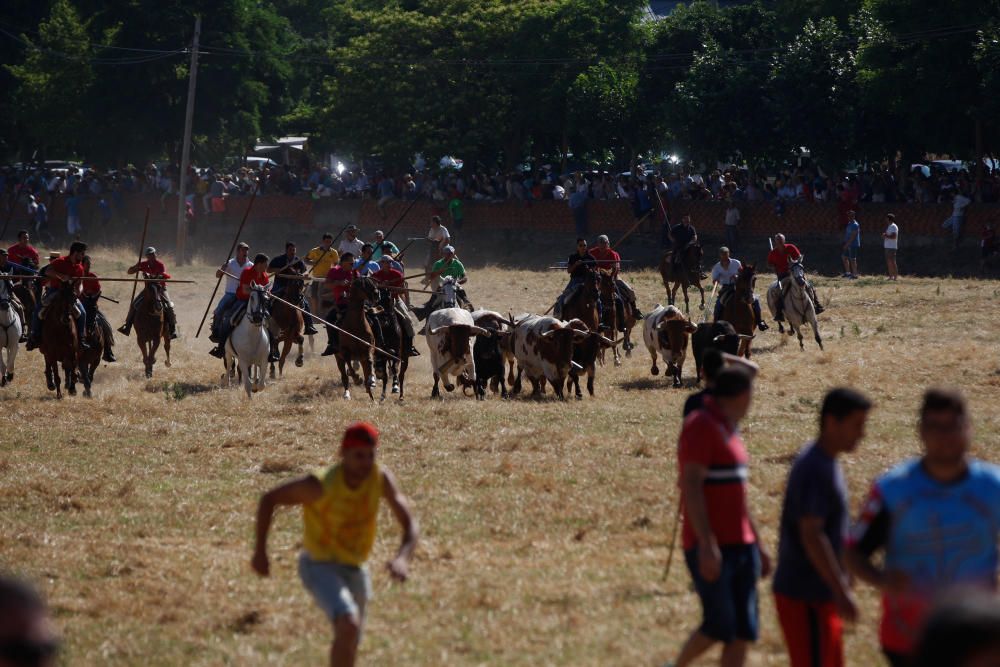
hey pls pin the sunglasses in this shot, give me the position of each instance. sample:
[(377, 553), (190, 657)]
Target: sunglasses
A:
[(27, 653)]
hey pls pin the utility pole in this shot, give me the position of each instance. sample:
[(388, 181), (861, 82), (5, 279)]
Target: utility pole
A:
[(186, 149)]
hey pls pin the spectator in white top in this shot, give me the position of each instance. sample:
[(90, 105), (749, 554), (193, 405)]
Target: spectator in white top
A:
[(438, 238), (232, 270), (350, 243), (959, 204), (891, 242), (732, 224)]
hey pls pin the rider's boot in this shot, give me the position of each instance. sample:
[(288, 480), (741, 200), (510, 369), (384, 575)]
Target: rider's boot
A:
[(126, 328), (331, 344), (171, 317), (24, 325), (273, 354), (310, 329)]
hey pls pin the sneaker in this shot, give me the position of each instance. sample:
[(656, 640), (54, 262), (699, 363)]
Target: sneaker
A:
[(852, 277), (414, 352), (819, 308), (329, 351), (109, 357), (273, 356), (216, 352), (845, 275), (124, 329), (32, 345), (762, 325), (23, 339), (310, 331)]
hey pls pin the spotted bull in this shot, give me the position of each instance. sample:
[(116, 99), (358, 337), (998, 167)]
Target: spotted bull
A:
[(720, 334), (543, 347), (665, 331), (449, 339)]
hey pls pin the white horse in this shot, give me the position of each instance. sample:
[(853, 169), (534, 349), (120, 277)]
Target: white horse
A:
[(799, 307), (248, 345), (10, 333)]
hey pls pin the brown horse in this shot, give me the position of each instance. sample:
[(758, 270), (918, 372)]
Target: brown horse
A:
[(689, 274), (287, 325), (392, 337), (614, 324), (151, 327), (738, 311), (90, 359), (59, 340), (582, 305), (351, 350)]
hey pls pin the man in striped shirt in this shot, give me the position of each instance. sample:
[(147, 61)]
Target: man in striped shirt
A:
[(721, 543)]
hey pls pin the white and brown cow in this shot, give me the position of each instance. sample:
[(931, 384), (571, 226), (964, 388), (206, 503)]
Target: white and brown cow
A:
[(543, 347), (449, 339), (665, 332), (585, 353)]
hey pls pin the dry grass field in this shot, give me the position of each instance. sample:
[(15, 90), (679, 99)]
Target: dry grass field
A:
[(545, 524)]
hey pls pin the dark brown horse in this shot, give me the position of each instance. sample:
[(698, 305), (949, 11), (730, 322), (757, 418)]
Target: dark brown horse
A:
[(287, 324), (90, 359), (392, 337), (59, 340), (688, 274), (614, 324), (582, 305), (151, 327), (738, 311), (350, 349)]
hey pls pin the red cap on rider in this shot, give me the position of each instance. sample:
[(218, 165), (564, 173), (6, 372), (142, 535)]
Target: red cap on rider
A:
[(360, 434)]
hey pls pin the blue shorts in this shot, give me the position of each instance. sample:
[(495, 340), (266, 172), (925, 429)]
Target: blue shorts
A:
[(729, 604), (851, 252), (338, 589)]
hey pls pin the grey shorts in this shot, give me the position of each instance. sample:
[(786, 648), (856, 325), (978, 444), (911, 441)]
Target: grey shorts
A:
[(338, 589)]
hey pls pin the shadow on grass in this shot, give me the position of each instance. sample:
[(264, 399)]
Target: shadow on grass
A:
[(179, 390), (660, 382)]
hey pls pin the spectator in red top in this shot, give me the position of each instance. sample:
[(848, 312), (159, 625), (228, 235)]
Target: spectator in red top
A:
[(339, 279), (90, 294), (781, 254), (23, 254), (255, 274), (721, 543), (67, 269), (607, 258), (151, 267), (386, 276)]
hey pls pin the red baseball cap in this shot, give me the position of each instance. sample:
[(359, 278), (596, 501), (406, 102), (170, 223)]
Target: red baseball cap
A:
[(360, 434)]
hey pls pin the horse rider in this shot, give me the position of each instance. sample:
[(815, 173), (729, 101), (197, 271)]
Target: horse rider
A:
[(89, 296), (15, 303), (255, 274), (389, 277), (66, 269), (339, 280), (23, 255), (448, 266), (234, 267), (608, 259), (151, 267), (581, 267), (351, 243), (683, 235), (779, 257), (724, 274), (285, 265), (382, 247), (365, 265), (322, 258)]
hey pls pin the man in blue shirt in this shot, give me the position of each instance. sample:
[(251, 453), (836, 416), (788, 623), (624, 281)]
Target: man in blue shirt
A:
[(811, 586), (852, 244), (364, 264)]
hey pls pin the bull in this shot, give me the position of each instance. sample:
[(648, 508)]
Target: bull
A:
[(543, 347), (665, 331), (721, 335), (449, 339)]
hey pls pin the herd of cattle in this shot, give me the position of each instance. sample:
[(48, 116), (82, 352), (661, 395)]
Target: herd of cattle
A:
[(548, 350)]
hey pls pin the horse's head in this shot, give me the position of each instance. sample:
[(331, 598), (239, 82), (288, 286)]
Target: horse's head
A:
[(606, 280), (155, 293), (4, 295), (797, 272), (294, 289), (257, 306), (449, 292), (363, 288)]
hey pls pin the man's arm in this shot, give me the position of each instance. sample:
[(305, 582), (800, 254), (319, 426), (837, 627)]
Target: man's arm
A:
[(693, 484), (400, 565), (828, 567), (297, 492), (765, 556)]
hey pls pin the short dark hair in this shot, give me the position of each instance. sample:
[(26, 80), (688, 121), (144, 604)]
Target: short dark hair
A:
[(328, 235), (437, 219), (943, 400), (77, 246), (22, 231), (712, 362), (732, 381), (367, 246), (347, 255), (289, 244), (841, 402), (260, 257)]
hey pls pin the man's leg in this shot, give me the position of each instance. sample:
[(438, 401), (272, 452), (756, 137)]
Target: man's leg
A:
[(225, 328), (331, 333), (224, 303), (81, 326), (620, 312), (734, 654), (109, 338), (717, 311), (19, 310), (35, 335), (758, 314), (310, 328), (127, 327), (406, 325), (171, 317), (693, 648), (847, 264)]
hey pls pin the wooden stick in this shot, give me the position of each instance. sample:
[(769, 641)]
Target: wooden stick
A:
[(107, 280), (403, 251), (232, 249), (632, 229), (142, 246), (673, 538), (393, 228)]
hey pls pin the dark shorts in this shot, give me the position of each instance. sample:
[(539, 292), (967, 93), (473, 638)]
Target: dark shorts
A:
[(729, 604), (850, 252)]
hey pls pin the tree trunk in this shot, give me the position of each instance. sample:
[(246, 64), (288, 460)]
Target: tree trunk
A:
[(979, 160)]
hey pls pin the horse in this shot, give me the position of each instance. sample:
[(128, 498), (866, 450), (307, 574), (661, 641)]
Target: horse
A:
[(10, 334), (582, 303), (448, 295), (391, 336), (248, 345), (349, 348), (90, 359), (689, 275), (609, 290), (59, 340), (151, 327), (287, 324), (799, 307), (738, 310)]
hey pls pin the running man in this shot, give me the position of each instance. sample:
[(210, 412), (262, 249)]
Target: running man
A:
[(339, 511), (812, 590), (935, 518)]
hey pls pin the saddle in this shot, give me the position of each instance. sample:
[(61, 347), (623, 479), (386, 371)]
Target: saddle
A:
[(238, 314), (726, 295)]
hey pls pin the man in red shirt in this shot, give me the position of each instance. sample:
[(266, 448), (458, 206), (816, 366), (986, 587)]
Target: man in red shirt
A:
[(66, 269), (388, 277), (23, 254), (339, 279), (151, 267), (255, 274), (781, 254), (721, 543), (89, 296), (608, 259)]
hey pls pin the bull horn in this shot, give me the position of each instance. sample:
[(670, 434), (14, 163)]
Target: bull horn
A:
[(437, 330), (607, 341), (576, 365), (745, 337), (661, 324), (719, 338), (548, 333), (480, 331)]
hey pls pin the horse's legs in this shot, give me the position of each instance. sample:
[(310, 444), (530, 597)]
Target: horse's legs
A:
[(342, 365), (69, 369), (702, 290), (55, 378), (435, 392), (654, 370), (247, 370), (687, 304), (166, 349), (299, 358)]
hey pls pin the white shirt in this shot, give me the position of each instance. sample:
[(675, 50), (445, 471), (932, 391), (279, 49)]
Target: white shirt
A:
[(440, 234), (732, 216), (892, 243), (235, 268), (726, 276), (353, 247), (958, 206)]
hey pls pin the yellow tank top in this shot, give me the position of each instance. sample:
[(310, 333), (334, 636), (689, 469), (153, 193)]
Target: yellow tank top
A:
[(340, 525), (324, 260)]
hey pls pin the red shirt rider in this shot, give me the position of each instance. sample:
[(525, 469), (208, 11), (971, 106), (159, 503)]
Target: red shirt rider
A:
[(778, 258)]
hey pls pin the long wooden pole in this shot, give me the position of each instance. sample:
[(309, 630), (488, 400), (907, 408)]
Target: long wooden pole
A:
[(107, 280), (236, 239), (632, 229), (142, 246), (399, 220)]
